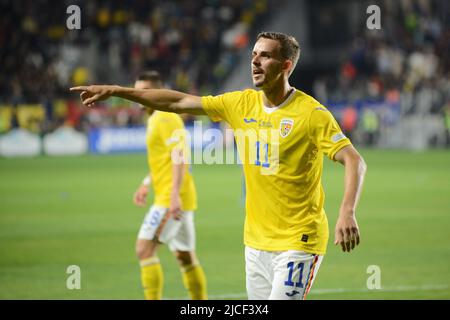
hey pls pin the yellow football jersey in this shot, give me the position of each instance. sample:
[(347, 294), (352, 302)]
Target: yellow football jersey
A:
[(165, 131), (281, 150)]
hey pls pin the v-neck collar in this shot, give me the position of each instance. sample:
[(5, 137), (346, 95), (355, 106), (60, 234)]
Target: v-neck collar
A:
[(270, 110)]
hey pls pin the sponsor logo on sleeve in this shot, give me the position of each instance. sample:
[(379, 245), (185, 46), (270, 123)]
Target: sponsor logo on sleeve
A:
[(338, 137)]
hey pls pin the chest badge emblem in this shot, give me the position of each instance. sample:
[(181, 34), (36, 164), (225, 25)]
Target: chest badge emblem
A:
[(286, 126)]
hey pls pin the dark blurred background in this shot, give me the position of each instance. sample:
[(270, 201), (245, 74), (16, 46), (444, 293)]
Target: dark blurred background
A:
[(388, 88)]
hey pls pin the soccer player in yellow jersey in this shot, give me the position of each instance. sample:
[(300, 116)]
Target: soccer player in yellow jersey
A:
[(282, 135), (170, 219)]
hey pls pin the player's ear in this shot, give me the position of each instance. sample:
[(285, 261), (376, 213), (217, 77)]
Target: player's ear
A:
[(287, 65)]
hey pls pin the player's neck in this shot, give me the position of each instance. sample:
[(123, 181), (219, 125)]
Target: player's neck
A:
[(277, 94)]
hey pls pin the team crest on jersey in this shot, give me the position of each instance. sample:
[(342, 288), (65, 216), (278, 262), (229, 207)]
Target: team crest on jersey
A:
[(286, 127)]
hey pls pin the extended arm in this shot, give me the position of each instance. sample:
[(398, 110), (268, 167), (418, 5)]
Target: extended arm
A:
[(158, 99), (347, 230)]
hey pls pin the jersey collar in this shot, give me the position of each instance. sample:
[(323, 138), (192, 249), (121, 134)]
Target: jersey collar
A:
[(270, 110)]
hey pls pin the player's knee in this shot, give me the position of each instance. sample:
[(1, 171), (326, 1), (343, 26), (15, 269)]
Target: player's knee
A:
[(185, 258), (144, 250)]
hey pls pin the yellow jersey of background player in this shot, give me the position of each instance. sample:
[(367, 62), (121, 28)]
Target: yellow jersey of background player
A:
[(170, 220)]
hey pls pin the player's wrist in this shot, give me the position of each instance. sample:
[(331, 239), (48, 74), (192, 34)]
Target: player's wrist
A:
[(115, 90), (146, 182), (347, 211)]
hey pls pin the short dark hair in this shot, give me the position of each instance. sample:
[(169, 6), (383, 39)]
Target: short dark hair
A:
[(152, 76), (290, 49)]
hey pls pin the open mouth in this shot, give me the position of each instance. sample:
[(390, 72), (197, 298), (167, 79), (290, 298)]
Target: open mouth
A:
[(257, 72)]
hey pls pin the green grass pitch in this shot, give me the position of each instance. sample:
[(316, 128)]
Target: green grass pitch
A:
[(56, 212)]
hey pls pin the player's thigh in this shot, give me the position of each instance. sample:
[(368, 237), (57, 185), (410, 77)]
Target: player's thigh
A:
[(258, 277), (146, 248), (184, 238), (294, 273)]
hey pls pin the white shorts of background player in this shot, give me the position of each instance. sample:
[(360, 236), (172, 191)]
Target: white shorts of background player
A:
[(179, 235)]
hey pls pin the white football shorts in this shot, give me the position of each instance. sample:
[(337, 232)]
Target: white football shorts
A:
[(179, 235), (280, 275)]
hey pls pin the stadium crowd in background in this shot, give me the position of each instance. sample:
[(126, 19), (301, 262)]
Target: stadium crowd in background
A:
[(406, 62), (193, 43)]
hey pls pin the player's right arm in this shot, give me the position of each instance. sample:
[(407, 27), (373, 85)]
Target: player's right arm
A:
[(157, 99), (140, 196)]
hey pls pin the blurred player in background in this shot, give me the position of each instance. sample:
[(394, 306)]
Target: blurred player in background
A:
[(170, 219), (286, 229)]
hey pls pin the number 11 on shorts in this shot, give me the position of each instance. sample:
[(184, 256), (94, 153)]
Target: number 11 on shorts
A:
[(289, 281)]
